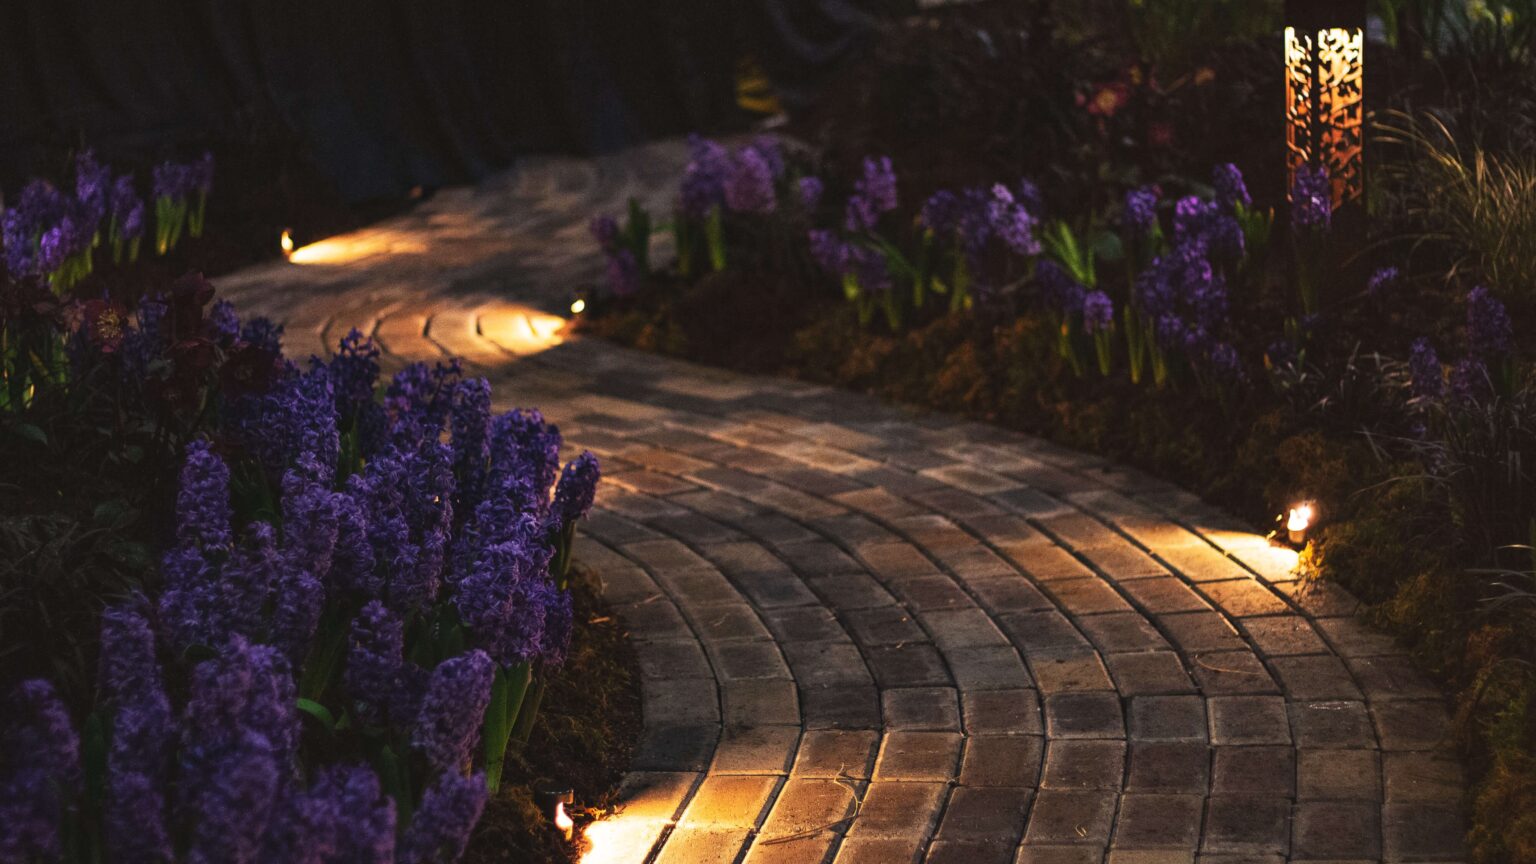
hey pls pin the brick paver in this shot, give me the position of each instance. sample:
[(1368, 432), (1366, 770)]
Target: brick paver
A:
[(867, 635)]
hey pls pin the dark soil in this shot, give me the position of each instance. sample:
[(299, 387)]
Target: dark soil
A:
[(588, 724)]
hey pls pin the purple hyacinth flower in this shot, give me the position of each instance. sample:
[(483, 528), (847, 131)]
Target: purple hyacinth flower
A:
[(452, 709), (703, 184), (1028, 194), (558, 622), (1061, 294), (229, 811), (202, 500), (1489, 331), (501, 597), (749, 183), (223, 322), (343, 816), (810, 189), (1311, 200), (605, 230), (170, 180), (940, 212), (200, 174), (470, 423), (354, 373), (1225, 238), (1193, 216), (1231, 191), (1469, 380), (60, 243), (130, 683), (771, 150), (828, 251), (1012, 222), (1425, 371), (448, 813), (576, 490), (93, 189), (1383, 280), (39, 772), (374, 673), (1225, 364), (264, 334), (878, 185), (1098, 312), (623, 274), (1141, 209)]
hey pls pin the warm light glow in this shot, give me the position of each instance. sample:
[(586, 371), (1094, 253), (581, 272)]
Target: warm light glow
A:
[(286, 241), (1325, 106), (1300, 518), (579, 306), (563, 820), (620, 840), (351, 248), (520, 330)]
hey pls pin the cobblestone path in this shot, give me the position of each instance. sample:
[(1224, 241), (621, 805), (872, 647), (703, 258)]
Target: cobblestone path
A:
[(869, 635)]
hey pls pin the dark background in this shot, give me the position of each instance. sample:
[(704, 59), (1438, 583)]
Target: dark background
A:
[(377, 97)]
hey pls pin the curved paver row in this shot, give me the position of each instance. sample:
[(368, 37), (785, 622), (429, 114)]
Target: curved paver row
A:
[(871, 636)]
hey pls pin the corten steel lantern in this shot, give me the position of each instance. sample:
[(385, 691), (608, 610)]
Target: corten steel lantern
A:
[(1325, 93)]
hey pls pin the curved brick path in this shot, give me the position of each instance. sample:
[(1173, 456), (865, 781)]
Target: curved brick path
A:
[(872, 636)]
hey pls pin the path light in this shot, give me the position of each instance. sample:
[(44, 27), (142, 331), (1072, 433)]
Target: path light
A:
[(1297, 523), (552, 802), (579, 306), (1324, 92), (286, 242)]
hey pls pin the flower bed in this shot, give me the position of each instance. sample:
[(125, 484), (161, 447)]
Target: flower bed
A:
[(318, 616), (1152, 310)]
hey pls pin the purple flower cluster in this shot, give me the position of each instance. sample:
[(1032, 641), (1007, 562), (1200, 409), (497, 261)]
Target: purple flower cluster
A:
[(810, 190), (448, 720), (177, 181), (1184, 297), (1311, 200), (44, 230), (1012, 222), (1231, 191), (623, 273), (1062, 295), (448, 812), (703, 184), (748, 184), (1383, 280), (1489, 331), (1141, 210), (605, 230), (874, 195), (576, 491), (39, 772), (1425, 372), (1098, 312)]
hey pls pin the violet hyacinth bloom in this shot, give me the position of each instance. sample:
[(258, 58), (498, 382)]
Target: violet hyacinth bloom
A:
[(576, 490), (352, 563), (1425, 372), (1225, 364), (375, 675), (940, 212), (1012, 222), (703, 184), (828, 251), (1311, 200), (41, 759), (223, 322), (448, 813), (127, 209), (170, 180), (354, 373), (874, 195), (1098, 312), (810, 189), (558, 623), (749, 183), (523, 443), (470, 423), (1383, 280), (1231, 191), (1469, 380), (93, 189), (1489, 331), (1060, 293), (605, 230), (262, 333), (137, 759), (452, 710), (67, 238), (623, 273), (202, 500), (421, 397), (502, 598), (1192, 216), (772, 152), (200, 174), (343, 816), (1141, 209)]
